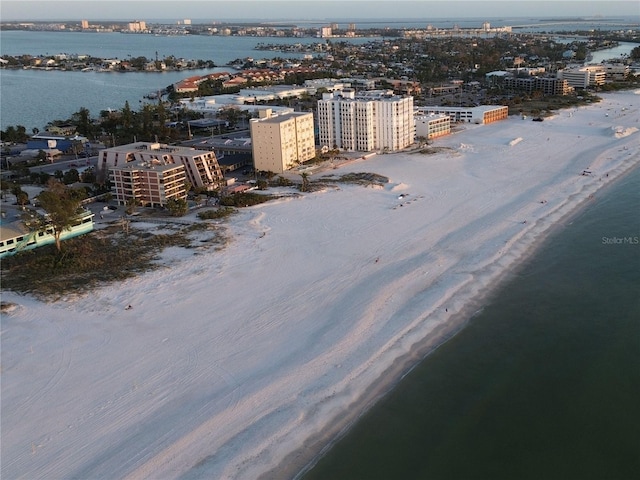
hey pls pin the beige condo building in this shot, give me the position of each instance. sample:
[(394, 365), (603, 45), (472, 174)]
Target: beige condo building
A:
[(280, 142)]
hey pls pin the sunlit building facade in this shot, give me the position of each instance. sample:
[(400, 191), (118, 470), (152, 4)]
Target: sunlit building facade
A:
[(367, 121)]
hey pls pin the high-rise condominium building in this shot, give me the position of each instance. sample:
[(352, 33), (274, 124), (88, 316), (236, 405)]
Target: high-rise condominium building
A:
[(366, 121), (280, 142)]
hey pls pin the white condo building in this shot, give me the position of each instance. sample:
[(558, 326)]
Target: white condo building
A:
[(433, 125), (366, 121), (584, 77), (279, 142), (483, 114)]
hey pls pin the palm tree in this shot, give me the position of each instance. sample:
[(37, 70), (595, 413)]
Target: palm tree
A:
[(305, 182), (132, 203)]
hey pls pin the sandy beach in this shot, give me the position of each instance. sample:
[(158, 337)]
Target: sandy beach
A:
[(245, 362)]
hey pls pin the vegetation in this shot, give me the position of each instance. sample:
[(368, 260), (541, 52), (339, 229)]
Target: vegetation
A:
[(17, 134), (61, 204), (304, 186), (177, 206), (361, 178), (245, 199), (218, 213), (22, 197), (544, 105), (96, 258), (433, 150), (132, 64)]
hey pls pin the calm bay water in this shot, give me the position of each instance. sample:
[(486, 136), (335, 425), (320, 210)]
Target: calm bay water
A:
[(32, 98), (544, 383)]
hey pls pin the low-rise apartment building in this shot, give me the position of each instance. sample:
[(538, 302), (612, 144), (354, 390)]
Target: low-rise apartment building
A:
[(617, 71), (432, 126), (201, 168), (482, 114), (546, 85), (584, 77), (150, 184)]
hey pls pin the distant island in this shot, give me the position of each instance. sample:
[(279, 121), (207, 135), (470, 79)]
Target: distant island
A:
[(78, 62)]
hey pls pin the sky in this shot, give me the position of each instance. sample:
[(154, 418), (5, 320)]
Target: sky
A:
[(258, 10)]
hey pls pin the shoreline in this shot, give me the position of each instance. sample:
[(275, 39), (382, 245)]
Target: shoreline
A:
[(301, 461), (251, 362)]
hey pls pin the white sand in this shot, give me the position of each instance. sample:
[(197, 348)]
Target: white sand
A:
[(230, 361)]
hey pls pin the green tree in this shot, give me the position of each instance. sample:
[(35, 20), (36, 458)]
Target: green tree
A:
[(62, 205), (22, 198), (139, 62), (82, 120), (17, 134), (231, 115), (5, 186), (71, 176), (177, 206), (43, 178), (88, 176), (127, 116), (41, 156), (16, 189)]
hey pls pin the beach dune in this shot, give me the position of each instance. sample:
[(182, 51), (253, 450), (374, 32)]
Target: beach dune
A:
[(243, 363)]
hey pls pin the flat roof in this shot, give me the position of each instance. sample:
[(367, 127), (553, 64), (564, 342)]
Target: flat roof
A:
[(148, 147), (207, 122), (147, 165)]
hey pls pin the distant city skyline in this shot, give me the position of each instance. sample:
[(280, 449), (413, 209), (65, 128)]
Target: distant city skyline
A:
[(306, 10)]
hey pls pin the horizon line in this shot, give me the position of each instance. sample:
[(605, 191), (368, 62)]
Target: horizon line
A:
[(570, 18)]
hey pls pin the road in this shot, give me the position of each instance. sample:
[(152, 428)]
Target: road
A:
[(65, 164)]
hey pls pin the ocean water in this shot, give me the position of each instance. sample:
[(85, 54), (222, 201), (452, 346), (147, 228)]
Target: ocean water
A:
[(543, 383)]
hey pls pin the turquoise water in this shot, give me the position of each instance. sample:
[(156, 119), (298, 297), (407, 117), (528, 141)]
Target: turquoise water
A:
[(544, 383)]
